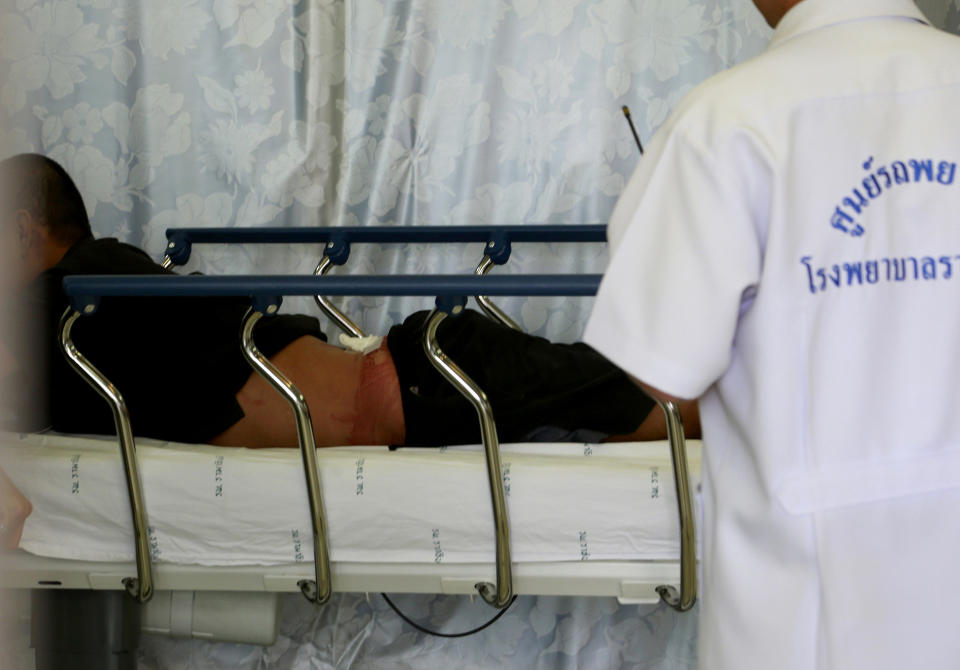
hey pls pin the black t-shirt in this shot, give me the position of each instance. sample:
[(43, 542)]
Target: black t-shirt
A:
[(176, 361)]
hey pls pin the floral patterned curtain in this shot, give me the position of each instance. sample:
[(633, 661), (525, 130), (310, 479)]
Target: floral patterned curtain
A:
[(364, 112), (333, 112)]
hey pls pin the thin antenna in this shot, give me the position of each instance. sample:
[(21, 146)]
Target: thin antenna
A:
[(626, 113)]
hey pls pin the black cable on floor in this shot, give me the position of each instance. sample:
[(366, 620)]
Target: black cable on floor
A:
[(438, 634)]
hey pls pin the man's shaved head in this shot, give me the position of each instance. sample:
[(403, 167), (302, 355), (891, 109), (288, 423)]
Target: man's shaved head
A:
[(43, 188)]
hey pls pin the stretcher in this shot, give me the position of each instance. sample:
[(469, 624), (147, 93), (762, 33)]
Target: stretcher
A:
[(631, 579)]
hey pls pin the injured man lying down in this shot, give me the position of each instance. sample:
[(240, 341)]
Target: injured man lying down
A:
[(178, 363)]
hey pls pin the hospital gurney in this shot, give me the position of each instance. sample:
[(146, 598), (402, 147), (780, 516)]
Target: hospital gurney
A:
[(585, 520), (625, 579)]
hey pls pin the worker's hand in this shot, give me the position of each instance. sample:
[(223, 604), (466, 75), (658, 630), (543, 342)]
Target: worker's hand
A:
[(14, 510)]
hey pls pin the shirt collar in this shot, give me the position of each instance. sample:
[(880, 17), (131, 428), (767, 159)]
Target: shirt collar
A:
[(813, 14)]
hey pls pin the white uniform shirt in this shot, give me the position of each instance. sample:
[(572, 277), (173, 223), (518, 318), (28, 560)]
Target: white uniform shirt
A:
[(789, 251)]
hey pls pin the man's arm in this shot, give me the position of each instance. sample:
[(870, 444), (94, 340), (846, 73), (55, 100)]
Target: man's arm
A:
[(654, 427), (689, 411), (657, 394)]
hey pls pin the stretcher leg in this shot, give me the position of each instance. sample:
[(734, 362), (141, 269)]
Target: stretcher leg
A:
[(316, 591), (140, 587), (499, 594)]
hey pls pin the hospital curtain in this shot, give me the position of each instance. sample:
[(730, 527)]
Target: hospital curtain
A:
[(366, 112), (357, 112)]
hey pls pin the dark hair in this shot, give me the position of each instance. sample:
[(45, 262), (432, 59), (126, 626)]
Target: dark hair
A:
[(42, 187)]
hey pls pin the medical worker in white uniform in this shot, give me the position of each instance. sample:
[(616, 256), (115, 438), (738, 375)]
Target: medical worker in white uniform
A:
[(788, 251)]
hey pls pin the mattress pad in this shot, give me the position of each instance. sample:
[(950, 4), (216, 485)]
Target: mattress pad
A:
[(230, 506)]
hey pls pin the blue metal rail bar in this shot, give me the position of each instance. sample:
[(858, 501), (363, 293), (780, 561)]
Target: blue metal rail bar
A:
[(497, 241), (265, 293), (85, 290), (180, 240)]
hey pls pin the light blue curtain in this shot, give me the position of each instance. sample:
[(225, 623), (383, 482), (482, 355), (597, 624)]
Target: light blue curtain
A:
[(363, 112), (396, 112)]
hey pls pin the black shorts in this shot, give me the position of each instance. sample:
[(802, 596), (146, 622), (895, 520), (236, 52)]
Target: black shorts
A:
[(531, 383)]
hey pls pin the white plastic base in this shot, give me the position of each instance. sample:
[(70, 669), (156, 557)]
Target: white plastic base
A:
[(629, 581), (235, 616), (247, 617)]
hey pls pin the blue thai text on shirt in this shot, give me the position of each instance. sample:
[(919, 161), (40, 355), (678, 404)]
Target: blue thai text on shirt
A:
[(883, 178), (875, 271)]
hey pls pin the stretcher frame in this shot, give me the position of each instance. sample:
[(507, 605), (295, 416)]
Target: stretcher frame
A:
[(254, 588), (337, 243), (265, 294), (497, 240)]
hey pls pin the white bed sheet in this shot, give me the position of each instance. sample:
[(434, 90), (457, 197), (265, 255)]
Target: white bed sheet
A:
[(226, 506)]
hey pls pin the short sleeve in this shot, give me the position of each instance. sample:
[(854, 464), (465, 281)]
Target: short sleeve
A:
[(685, 251)]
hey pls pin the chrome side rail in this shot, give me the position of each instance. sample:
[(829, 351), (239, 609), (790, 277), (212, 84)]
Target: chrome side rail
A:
[(338, 317), (488, 305), (323, 267), (499, 594), (141, 586), (687, 596), (316, 591)]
